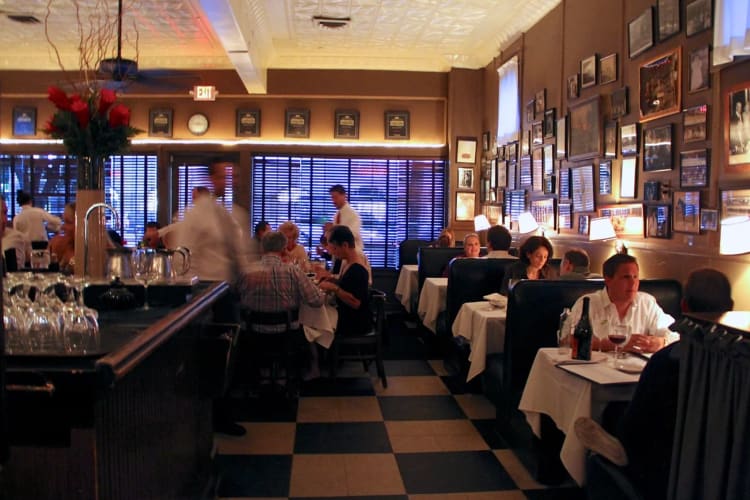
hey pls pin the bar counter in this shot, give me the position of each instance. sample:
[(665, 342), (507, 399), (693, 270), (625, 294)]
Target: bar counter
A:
[(132, 420)]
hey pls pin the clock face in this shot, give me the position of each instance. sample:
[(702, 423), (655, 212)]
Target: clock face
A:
[(198, 124)]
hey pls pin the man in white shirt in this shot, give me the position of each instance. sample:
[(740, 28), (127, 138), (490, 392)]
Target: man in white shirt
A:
[(498, 243), (346, 215), (34, 222), (12, 239), (620, 303)]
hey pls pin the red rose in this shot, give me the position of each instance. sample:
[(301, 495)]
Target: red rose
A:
[(49, 128), (59, 98), (106, 99), (81, 110), (119, 115)]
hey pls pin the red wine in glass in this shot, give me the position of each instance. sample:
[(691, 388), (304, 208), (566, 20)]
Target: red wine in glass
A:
[(617, 338)]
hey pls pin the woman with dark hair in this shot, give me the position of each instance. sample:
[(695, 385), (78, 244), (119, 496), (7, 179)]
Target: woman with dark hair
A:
[(533, 262), (351, 289), (34, 222)]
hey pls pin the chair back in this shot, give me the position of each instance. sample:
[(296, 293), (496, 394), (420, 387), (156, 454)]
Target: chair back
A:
[(255, 318), (377, 306), (469, 280), (432, 262), (408, 249)]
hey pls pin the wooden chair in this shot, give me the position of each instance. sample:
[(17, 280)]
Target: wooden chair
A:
[(366, 348)]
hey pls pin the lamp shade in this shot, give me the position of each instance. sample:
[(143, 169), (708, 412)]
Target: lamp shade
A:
[(481, 223), (527, 223), (734, 235), (601, 228)]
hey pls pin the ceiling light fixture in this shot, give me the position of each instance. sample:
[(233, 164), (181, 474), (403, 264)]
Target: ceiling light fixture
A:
[(331, 23)]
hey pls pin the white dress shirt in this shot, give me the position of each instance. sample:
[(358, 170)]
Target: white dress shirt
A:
[(35, 222), (347, 216), (500, 254), (18, 241)]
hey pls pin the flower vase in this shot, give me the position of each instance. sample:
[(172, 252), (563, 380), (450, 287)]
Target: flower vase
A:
[(90, 191)]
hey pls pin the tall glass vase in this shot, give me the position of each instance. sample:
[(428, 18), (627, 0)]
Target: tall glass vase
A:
[(90, 190)]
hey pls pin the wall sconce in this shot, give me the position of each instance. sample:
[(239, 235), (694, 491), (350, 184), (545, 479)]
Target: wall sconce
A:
[(481, 223), (734, 235)]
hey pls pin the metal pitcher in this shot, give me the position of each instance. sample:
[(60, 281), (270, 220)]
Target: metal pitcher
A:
[(119, 263), (167, 266)]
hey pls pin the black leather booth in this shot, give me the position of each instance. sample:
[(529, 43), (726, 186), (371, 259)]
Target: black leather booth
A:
[(432, 262), (408, 250)]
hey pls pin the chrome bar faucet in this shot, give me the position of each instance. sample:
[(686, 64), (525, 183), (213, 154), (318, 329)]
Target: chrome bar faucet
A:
[(93, 208)]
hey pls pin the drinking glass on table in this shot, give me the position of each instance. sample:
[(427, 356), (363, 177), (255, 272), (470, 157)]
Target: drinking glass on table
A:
[(618, 335)]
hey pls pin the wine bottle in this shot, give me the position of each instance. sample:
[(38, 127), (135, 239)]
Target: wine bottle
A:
[(583, 334)]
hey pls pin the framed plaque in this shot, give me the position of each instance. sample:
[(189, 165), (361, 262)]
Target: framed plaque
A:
[(660, 86), (397, 125), (297, 123), (466, 150), (465, 206), (346, 125), (24, 121), (465, 178), (160, 122), (248, 123)]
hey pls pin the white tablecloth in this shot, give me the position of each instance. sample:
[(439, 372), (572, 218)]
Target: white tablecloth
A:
[(565, 396), (319, 323), (484, 327), (432, 301), (406, 287)]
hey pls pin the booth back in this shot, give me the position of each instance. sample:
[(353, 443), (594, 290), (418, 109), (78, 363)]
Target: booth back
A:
[(469, 280), (432, 262), (408, 249)]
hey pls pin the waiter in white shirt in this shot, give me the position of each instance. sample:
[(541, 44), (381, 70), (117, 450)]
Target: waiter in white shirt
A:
[(32, 221), (346, 215)]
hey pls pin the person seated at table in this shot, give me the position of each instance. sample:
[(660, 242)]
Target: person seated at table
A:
[(620, 303), (322, 248), (351, 288), (294, 252), (445, 240), (575, 266), (151, 238), (533, 262), (647, 427), (498, 243), (255, 252), (64, 244), (472, 247)]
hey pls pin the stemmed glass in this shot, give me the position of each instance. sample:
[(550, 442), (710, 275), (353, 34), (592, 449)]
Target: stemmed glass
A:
[(143, 271), (618, 335)]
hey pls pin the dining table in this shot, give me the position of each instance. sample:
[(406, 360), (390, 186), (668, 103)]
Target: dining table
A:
[(407, 286), (566, 389), (432, 301), (482, 324), (319, 323)]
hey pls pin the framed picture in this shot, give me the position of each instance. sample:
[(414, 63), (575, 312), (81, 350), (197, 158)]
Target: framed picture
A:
[(737, 143), (529, 112), (297, 123), (564, 216), (735, 202), (608, 69), (500, 154), (659, 93), (524, 175), (686, 206), (709, 219), (511, 151), (465, 206), (512, 175), (466, 150), (573, 87), (562, 135), (658, 221), (588, 71), (582, 187), (160, 122), (610, 139), (585, 139), (397, 125), (629, 139), (485, 192), (540, 103), (583, 224), (24, 121), (549, 184), (549, 123), (465, 178), (651, 191), (502, 169), (515, 204), (694, 168), (641, 33), (619, 103), (247, 123), (493, 173), (668, 14), (698, 16), (694, 124), (627, 177), (537, 133), (537, 169), (549, 159), (657, 148), (698, 76), (605, 178), (486, 141), (627, 219), (346, 124), (543, 211), (563, 183), (525, 142)]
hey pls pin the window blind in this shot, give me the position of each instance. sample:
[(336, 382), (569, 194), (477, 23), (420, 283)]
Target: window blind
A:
[(130, 187), (190, 177)]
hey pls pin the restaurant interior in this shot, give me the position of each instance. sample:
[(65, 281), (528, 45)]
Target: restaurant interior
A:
[(588, 115)]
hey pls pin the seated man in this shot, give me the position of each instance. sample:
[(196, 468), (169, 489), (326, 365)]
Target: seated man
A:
[(620, 303), (498, 243), (151, 237), (646, 430), (575, 266)]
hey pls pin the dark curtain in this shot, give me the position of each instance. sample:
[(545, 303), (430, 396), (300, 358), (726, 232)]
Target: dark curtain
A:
[(711, 454)]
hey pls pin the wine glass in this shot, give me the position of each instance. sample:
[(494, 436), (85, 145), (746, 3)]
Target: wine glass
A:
[(618, 335), (143, 271)]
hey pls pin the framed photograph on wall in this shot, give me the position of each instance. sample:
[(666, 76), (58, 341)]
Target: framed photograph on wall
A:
[(529, 112), (588, 71), (512, 175), (658, 224), (493, 173), (549, 159), (465, 178), (564, 216), (511, 151), (709, 219), (619, 103), (502, 169), (698, 16), (583, 224), (627, 219), (562, 137), (651, 191), (563, 183), (346, 124), (736, 144), (540, 103), (694, 168), (24, 121), (543, 210), (686, 207), (585, 139), (160, 122), (699, 62), (466, 150), (537, 169), (537, 133), (657, 148), (641, 33), (573, 87), (608, 69), (694, 124), (465, 206), (525, 142), (629, 139), (627, 177), (668, 15), (397, 125), (582, 187), (605, 178), (549, 123), (248, 123), (735, 202), (486, 141), (660, 86), (610, 139), (524, 175), (297, 123)]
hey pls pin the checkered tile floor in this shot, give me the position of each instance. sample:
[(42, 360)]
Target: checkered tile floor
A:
[(351, 438)]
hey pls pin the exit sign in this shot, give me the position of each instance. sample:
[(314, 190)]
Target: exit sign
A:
[(204, 93)]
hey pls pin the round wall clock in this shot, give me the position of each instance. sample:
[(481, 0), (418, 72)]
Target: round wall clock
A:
[(198, 124)]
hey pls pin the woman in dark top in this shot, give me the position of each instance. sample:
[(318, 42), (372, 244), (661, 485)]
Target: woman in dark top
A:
[(351, 290), (533, 262)]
